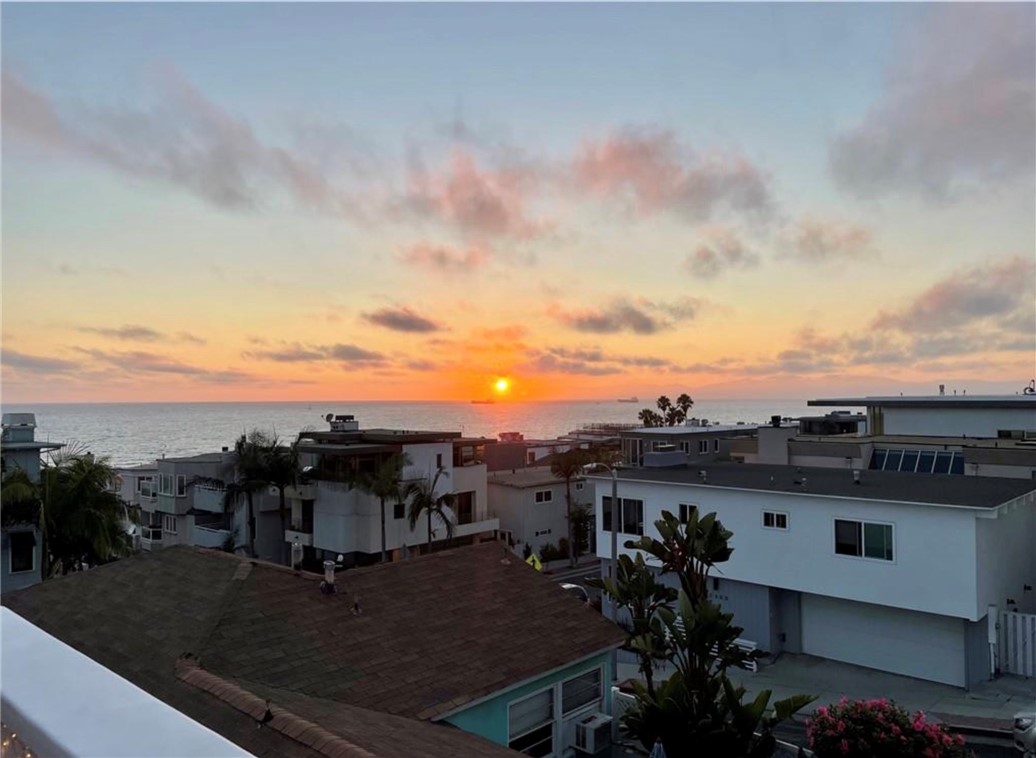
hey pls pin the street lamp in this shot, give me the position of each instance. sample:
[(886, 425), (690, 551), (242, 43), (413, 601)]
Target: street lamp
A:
[(615, 522)]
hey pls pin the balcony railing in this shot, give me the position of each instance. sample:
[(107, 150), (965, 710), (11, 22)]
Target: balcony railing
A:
[(208, 498), (150, 538), (204, 536)]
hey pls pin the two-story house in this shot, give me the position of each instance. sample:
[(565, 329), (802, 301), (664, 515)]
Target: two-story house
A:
[(332, 515), (21, 546), (889, 570), (530, 504)]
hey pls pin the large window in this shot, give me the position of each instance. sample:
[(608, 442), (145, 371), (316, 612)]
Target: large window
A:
[(531, 724), (918, 461), (580, 691), (703, 447), (181, 485), (863, 539), (775, 520), (165, 484), (169, 524), (631, 515), (686, 511), (544, 496), (465, 503), (23, 552)]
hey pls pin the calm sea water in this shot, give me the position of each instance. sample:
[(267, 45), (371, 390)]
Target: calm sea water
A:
[(135, 433)]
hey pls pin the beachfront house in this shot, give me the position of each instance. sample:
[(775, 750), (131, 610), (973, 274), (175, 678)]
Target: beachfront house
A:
[(459, 653), (21, 543), (333, 515)]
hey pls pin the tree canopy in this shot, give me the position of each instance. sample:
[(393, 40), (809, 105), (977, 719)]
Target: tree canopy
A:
[(668, 413)]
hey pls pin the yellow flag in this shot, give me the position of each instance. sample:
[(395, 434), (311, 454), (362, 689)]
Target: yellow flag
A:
[(534, 561)]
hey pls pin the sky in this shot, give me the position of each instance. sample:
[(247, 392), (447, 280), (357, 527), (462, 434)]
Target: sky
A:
[(218, 202)]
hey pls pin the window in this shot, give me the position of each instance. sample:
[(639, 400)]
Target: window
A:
[(23, 552), (399, 511), (685, 447), (165, 484), (579, 486), (181, 485), (918, 461), (775, 520), (703, 447), (530, 724), (530, 457), (631, 515), (580, 691), (866, 540), (438, 460), (544, 496), (169, 524), (465, 504), (715, 445), (686, 511)]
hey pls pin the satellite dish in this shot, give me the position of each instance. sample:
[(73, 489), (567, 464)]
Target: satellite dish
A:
[(329, 417)]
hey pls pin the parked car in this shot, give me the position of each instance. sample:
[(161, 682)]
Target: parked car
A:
[(575, 591), (1025, 732)]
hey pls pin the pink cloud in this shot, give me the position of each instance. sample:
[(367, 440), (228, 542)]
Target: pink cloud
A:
[(815, 240), (481, 203), (445, 257), (653, 172)]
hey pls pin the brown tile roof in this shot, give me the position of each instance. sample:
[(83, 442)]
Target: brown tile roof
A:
[(434, 633)]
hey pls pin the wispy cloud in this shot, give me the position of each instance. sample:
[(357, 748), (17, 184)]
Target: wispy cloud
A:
[(816, 240), (137, 333), (446, 258), (622, 315), (959, 107), (720, 249), (402, 320), (299, 353), (142, 362), (650, 171), (13, 359)]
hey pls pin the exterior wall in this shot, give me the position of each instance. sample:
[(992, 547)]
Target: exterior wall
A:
[(755, 607), (1006, 541), (472, 479), (773, 443), (790, 626), (976, 651), (26, 460), (933, 547), (998, 470), (489, 719), (519, 512), (21, 579), (954, 422)]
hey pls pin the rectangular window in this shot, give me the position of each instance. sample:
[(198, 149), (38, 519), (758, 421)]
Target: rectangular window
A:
[(942, 463), (895, 458), (465, 503), (580, 691), (925, 462), (860, 539), (632, 516), (438, 460), (878, 458), (23, 552), (399, 511), (181, 485), (715, 445), (530, 724), (169, 524), (703, 447), (165, 484), (775, 520), (606, 513), (686, 511), (530, 458), (579, 486), (909, 461), (685, 447), (544, 496)]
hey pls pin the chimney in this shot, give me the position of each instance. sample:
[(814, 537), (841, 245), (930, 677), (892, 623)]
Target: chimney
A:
[(328, 585), (775, 421), (942, 389)]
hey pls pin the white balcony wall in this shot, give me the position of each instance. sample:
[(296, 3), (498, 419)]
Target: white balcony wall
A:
[(208, 498), (203, 536)]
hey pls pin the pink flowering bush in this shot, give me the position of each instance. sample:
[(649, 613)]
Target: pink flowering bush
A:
[(879, 729)]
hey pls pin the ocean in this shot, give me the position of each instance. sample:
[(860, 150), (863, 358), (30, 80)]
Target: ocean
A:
[(136, 433)]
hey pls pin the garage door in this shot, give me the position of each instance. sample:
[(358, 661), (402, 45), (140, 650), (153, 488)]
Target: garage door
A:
[(902, 642)]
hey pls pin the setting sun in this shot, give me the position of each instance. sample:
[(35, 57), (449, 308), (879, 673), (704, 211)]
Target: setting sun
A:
[(502, 385)]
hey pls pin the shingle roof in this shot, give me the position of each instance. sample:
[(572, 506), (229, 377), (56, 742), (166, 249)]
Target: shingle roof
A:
[(935, 489), (434, 633)]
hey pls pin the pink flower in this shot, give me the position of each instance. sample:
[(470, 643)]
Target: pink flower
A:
[(845, 747)]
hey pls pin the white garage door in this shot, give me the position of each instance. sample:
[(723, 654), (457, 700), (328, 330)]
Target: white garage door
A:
[(902, 642)]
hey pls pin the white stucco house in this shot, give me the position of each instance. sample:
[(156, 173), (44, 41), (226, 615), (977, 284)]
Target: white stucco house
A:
[(889, 570), (530, 505)]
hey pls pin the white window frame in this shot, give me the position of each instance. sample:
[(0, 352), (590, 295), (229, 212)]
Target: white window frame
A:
[(168, 521), (703, 447), (10, 555), (181, 485), (544, 496), (863, 540), (776, 520), (685, 447), (579, 486), (166, 479)]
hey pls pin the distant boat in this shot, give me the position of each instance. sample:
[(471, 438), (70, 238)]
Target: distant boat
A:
[(629, 400), (487, 401)]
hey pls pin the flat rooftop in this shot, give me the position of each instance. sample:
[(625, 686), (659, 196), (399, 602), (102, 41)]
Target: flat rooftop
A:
[(933, 401), (934, 489), (689, 430), (538, 476)]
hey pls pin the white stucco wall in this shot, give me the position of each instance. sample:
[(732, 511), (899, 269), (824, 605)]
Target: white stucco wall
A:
[(934, 566), (954, 422), (519, 512), (1007, 544)]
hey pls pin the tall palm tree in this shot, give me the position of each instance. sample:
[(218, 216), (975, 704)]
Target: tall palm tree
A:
[(386, 483), (250, 453), (83, 517), (424, 500), (568, 466), (280, 468)]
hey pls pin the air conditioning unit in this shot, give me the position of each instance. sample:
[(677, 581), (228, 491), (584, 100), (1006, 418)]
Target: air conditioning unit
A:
[(593, 733)]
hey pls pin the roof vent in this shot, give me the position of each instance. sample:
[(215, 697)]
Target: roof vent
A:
[(327, 586), (856, 476), (703, 475)]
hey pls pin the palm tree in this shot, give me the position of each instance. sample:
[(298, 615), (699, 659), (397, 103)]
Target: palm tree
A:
[(424, 500), (386, 482), (250, 451), (83, 517), (280, 468), (568, 466)]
